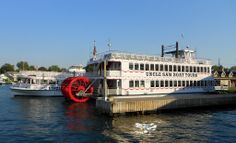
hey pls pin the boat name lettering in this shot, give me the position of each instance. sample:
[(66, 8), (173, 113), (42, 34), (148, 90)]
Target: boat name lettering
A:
[(171, 74)]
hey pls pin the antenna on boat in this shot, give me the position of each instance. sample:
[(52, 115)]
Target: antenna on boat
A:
[(109, 44), (94, 50)]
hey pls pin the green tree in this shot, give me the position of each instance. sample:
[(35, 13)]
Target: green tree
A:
[(54, 68), (32, 68), (23, 65), (216, 68), (42, 69), (6, 68), (233, 68), (63, 69)]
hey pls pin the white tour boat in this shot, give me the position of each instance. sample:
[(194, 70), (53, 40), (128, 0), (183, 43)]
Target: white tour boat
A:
[(39, 83), (116, 74)]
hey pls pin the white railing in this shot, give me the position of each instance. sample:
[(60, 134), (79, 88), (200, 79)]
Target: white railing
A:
[(114, 91), (114, 73), (129, 56)]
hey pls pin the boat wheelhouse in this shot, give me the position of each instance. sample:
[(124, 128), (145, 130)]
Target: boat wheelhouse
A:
[(135, 74)]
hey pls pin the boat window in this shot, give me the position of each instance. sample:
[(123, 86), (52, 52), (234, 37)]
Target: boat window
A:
[(113, 65), (205, 69), (213, 83), (209, 83), (183, 69), (208, 70), (166, 83), (112, 84), (131, 83), (171, 83), (142, 67), (202, 83), (191, 69), (194, 69), (194, 83), (152, 67), (187, 68), (136, 66), (183, 83), (166, 67), (201, 70), (147, 67), (205, 82), (142, 83), (198, 83), (179, 83), (162, 83), (191, 83), (152, 83), (174, 67), (175, 83), (198, 69), (157, 67), (131, 66), (161, 67), (170, 67), (52, 82), (157, 83), (187, 83), (136, 83), (179, 68)]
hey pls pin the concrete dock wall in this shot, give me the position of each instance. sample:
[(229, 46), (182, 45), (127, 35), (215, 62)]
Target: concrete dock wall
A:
[(142, 104)]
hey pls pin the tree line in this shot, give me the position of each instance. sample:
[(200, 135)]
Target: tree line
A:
[(219, 68), (23, 65)]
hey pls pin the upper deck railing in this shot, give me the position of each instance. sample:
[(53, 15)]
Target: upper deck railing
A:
[(139, 57)]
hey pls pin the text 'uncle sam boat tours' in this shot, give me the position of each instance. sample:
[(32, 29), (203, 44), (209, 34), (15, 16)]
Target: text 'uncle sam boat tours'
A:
[(123, 74)]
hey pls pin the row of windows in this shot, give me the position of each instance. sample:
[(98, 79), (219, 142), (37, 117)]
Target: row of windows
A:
[(178, 83), (164, 67), (136, 83), (171, 83)]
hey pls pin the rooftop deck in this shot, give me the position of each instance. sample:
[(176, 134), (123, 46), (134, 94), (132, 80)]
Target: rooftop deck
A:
[(153, 58)]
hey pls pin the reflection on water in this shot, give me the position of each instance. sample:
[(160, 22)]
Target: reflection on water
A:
[(78, 116), (24, 119), (181, 127), (38, 117)]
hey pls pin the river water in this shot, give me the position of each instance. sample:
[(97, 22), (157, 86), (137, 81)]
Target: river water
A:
[(40, 119)]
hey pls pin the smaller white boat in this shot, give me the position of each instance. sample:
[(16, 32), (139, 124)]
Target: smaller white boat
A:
[(39, 83)]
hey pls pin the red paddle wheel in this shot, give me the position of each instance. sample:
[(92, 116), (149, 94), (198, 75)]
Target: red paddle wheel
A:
[(77, 89)]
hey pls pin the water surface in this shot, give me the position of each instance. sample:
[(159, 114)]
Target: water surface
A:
[(40, 119)]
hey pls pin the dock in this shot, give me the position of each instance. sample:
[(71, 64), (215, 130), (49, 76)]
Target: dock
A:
[(142, 104)]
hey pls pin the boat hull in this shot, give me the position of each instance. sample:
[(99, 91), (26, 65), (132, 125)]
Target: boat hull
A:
[(27, 92)]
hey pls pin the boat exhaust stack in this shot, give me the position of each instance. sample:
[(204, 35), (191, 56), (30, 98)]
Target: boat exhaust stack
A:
[(177, 50), (162, 50)]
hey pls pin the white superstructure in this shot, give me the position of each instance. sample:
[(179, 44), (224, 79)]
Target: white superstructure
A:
[(134, 74)]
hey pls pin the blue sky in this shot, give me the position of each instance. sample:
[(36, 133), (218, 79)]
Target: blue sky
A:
[(61, 32)]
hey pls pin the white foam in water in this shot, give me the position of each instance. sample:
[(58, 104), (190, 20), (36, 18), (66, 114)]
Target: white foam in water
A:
[(145, 128)]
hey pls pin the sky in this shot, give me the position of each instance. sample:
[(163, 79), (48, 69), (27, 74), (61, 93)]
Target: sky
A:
[(61, 32)]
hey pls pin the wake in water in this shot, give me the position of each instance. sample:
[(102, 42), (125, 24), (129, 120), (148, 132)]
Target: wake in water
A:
[(145, 128)]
